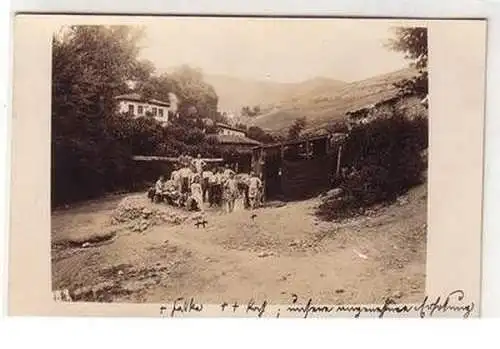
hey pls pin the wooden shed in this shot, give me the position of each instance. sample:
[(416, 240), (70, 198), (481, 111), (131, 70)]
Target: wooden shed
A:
[(298, 169), (235, 149)]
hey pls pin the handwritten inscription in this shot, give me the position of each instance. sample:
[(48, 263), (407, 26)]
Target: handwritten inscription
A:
[(182, 305), (451, 303)]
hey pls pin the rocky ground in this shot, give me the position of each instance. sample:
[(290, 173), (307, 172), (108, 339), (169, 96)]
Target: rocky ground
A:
[(126, 249)]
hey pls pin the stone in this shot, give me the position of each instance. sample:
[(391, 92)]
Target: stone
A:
[(334, 193), (402, 200)]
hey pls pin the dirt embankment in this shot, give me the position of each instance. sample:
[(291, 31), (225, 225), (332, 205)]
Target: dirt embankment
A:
[(158, 253)]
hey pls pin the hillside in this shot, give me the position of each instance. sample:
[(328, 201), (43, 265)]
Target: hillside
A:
[(282, 250), (234, 93), (321, 106)]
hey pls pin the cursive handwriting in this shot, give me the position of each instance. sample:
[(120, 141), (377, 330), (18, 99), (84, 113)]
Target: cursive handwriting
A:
[(308, 307), (443, 306), (453, 302), (182, 305)]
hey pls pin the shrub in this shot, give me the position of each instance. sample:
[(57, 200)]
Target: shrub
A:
[(384, 161)]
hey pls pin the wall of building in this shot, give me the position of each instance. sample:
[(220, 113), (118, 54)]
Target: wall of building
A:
[(225, 131), (161, 111)]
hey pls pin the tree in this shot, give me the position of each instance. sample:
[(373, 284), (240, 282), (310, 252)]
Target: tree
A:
[(412, 42), (241, 126), (256, 110), (197, 97), (245, 111), (255, 132), (249, 111), (157, 87), (296, 129), (92, 145), (91, 64)]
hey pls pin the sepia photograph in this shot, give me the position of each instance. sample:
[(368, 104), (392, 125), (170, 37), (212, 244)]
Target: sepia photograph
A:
[(240, 158)]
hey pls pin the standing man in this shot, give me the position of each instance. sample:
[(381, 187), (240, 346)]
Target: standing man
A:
[(159, 189), (175, 177), (228, 172), (185, 174), (207, 181), (196, 192), (218, 182), (230, 191), (199, 164), (254, 188)]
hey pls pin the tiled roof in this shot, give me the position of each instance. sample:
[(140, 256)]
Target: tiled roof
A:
[(131, 97), (233, 139), (229, 127), (138, 98)]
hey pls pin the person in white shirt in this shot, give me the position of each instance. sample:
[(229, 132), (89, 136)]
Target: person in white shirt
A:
[(185, 174), (207, 180), (199, 164), (216, 187), (229, 193), (175, 177), (170, 193), (228, 172), (196, 192), (254, 189), (159, 189)]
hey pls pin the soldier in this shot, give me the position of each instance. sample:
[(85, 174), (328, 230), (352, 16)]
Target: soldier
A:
[(254, 189), (159, 189), (206, 185), (199, 164), (196, 192), (229, 193)]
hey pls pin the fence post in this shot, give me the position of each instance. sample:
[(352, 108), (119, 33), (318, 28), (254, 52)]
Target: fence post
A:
[(339, 154)]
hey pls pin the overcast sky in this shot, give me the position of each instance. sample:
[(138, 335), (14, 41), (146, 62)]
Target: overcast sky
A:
[(282, 50)]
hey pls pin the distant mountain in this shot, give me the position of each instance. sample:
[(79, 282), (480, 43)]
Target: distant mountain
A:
[(235, 93), (322, 102)]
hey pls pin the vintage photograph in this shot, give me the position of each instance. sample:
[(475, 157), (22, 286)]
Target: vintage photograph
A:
[(240, 158)]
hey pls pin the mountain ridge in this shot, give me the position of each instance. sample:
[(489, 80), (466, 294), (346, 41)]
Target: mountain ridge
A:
[(235, 93)]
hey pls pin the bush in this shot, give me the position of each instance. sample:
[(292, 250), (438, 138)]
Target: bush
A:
[(384, 161)]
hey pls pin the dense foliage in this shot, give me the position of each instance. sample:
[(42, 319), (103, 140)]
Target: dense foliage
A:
[(384, 160), (384, 157), (250, 111), (296, 129), (412, 42), (92, 145)]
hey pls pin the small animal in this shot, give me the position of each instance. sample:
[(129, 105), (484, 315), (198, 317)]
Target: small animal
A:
[(201, 222), (253, 216)]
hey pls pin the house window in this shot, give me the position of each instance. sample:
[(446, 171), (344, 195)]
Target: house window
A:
[(131, 108), (154, 111), (160, 111), (140, 109)]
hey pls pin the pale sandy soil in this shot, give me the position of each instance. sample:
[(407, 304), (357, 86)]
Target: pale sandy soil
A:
[(283, 250)]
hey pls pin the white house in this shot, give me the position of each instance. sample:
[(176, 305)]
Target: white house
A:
[(135, 105), (223, 129)]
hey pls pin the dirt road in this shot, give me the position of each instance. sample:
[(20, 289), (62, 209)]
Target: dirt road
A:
[(282, 250)]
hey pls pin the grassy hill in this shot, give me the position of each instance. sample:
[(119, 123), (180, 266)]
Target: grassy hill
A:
[(234, 93), (321, 104)]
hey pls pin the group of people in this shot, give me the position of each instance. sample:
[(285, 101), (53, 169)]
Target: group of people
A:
[(193, 183)]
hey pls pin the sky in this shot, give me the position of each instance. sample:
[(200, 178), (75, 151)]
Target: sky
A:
[(279, 50)]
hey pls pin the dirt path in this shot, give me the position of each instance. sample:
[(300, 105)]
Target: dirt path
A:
[(282, 250)]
